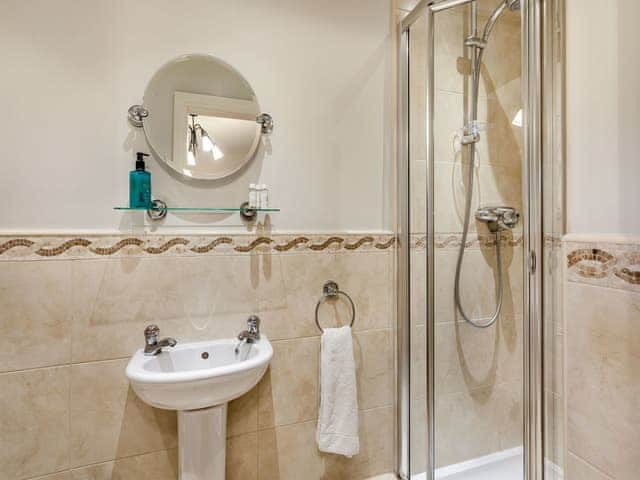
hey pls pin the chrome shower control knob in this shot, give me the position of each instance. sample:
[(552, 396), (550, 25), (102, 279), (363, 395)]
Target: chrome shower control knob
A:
[(498, 218)]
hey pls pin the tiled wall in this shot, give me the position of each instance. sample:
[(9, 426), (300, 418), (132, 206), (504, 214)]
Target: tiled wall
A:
[(73, 311), (603, 358)]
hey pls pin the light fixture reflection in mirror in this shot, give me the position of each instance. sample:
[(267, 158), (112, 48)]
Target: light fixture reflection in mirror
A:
[(206, 144)]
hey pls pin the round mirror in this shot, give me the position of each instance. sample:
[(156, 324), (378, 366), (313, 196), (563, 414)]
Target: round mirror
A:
[(202, 117)]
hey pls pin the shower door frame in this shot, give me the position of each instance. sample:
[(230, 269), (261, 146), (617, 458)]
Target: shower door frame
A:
[(535, 17)]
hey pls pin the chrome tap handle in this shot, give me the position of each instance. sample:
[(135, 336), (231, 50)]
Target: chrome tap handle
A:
[(253, 325), (151, 335)]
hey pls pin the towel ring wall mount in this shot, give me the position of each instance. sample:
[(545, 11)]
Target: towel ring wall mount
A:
[(331, 290)]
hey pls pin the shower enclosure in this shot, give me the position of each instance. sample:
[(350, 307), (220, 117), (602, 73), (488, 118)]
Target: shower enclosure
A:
[(480, 215)]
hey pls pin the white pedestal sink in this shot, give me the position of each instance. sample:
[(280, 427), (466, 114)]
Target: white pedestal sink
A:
[(199, 379)]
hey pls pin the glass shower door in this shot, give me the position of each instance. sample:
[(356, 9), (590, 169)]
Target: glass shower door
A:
[(465, 157)]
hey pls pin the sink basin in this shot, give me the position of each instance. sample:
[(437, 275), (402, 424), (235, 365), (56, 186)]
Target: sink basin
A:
[(198, 379), (198, 375)]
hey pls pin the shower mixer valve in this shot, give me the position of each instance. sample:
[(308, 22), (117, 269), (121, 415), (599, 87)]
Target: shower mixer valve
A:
[(498, 219)]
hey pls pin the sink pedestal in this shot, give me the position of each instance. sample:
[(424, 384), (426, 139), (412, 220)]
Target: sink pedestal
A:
[(202, 437)]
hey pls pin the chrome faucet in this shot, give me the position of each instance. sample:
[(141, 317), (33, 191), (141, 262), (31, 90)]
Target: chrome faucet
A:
[(251, 334), (153, 344)]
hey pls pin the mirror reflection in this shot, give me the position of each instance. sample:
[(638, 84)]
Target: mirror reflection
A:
[(202, 117)]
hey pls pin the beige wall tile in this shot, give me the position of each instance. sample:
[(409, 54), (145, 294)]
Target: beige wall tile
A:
[(35, 319), (578, 469), (291, 452), (111, 434), (603, 378), (368, 278), (289, 294), (55, 476), (376, 449), (288, 302), (187, 297), (109, 421), (470, 425), (493, 185), (242, 457), (288, 393), (373, 352), (34, 423), (478, 283), (242, 414), (467, 358), (161, 465)]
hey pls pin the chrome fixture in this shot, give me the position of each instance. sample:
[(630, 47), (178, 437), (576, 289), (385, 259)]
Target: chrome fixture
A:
[(266, 121), (331, 290), (137, 113), (251, 334), (153, 344), (497, 219)]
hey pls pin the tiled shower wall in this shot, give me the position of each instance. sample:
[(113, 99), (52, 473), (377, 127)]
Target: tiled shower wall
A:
[(73, 311), (603, 358)]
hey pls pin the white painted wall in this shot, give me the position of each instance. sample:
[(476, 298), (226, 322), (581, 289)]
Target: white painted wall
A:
[(603, 116), (72, 68)]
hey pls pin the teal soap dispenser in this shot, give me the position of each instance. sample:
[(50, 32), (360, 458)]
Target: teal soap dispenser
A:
[(140, 184)]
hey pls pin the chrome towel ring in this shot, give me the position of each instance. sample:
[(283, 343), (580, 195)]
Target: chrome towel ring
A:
[(331, 290)]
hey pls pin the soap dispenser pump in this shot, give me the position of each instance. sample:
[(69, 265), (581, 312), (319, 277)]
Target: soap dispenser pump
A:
[(140, 184)]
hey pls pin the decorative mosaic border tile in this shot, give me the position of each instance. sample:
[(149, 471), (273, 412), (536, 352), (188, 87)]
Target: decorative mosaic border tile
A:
[(613, 265), (453, 241), (100, 246)]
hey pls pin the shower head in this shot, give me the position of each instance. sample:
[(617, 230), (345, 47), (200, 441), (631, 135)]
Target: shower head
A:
[(512, 5)]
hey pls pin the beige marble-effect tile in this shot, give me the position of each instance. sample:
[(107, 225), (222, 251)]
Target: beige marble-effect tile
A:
[(242, 414), (290, 451), (109, 421), (493, 185), (288, 296), (373, 352), (473, 424), (34, 423), (189, 298), (578, 469), (35, 320), (603, 378), (161, 465), (242, 457), (468, 358), (55, 476), (376, 449), (478, 283), (288, 393), (369, 280)]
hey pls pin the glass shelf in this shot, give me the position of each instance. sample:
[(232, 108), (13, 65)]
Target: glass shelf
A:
[(199, 209)]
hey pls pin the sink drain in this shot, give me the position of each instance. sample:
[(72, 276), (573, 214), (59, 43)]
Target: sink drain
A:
[(205, 355)]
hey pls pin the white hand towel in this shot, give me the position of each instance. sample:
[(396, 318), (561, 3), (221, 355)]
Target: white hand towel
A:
[(338, 416)]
